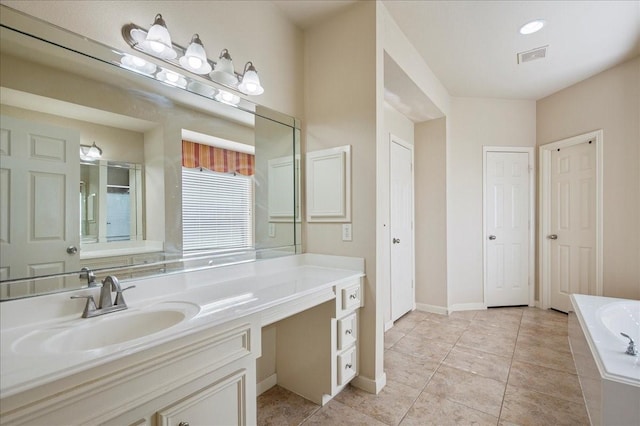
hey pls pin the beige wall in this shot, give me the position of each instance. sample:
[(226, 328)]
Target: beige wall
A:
[(259, 33), (609, 101), (472, 124), (431, 215), (341, 108)]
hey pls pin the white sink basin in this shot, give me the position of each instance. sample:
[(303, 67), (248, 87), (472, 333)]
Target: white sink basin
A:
[(87, 334)]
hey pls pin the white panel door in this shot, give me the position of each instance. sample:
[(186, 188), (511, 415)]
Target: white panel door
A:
[(573, 231), (40, 176), (507, 221), (401, 230)]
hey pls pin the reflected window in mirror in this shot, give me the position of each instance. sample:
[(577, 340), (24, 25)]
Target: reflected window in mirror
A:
[(217, 196)]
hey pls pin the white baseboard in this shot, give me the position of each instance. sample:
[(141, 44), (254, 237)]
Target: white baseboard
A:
[(467, 307), (266, 384), (370, 385), (432, 308), (388, 325)]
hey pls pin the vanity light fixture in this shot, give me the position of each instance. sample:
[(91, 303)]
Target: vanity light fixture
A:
[(250, 82), (532, 27), (195, 58), (223, 71), (157, 43), (90, 152)]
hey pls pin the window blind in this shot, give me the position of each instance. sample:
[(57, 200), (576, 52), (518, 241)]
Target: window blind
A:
[(216, 210)]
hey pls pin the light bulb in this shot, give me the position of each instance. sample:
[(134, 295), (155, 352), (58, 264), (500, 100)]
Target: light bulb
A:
[(251, 87), (156, 46), (194, 62), (139, 62)]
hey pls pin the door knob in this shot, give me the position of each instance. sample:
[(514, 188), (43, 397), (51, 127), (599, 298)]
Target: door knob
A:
[(396, 240), (492, 237), (72, 249), (553, 237)]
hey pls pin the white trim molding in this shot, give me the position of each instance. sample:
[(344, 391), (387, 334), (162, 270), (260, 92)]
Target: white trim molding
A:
[(467, 307), (370, 385), (423, 307), (545, 211)]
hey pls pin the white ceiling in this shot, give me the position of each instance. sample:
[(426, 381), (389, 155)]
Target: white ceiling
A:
[(472, 45)]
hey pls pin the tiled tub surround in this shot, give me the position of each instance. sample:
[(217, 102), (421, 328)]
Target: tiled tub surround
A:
[(610, 378), (234, 300), (505, 366)]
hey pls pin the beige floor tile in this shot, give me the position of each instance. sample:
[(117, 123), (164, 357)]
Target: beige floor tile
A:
[(278, 406), (526, 407), (537, 338), (389, 406), (554, 328), (484, 364), (335, 413), (422, 348), (430, 409), (392, 336), (545, 357), (408, 322), (486, 327), (508, 320), (439, 331), (466, 388), (464, 315), (532, 314), (491, 343), (452, 320), (407, 369), (545, 380)]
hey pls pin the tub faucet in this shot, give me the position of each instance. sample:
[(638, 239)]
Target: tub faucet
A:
[(631, 349)]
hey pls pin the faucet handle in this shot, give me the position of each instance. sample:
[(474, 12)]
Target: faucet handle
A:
[(89, 308), (120, 298), (631, 349)]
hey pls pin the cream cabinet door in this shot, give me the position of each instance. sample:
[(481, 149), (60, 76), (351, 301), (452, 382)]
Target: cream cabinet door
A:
[(222, 403)]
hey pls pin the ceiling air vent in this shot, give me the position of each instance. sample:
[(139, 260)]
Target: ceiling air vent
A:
[(533, 54)]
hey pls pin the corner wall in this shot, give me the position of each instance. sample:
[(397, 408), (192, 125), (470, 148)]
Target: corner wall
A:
[(472, 124), (608, 101), (341, 108), (431, 215)]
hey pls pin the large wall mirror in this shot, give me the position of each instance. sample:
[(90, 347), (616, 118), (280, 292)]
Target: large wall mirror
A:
[(112, 170)]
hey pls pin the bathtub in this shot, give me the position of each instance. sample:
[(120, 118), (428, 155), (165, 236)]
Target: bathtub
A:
[(609, 378)]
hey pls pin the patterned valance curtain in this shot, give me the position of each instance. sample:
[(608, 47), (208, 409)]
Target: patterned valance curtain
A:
[(217, 159)]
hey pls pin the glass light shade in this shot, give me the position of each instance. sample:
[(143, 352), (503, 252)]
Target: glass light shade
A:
[(250, 83), (158, 41), (227, 98), (172, 78), (90, 153), (223, 71), (138, 65), (195, 57)]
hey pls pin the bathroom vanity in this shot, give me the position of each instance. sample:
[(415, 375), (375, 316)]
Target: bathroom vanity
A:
[(185, 350)]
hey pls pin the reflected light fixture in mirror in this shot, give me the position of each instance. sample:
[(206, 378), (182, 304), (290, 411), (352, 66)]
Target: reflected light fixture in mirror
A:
[(90, 152), (157, 43), (172, 78), (227, 98), (137, 64)]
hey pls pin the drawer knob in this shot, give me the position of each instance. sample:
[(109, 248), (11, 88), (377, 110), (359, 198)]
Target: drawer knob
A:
[(348, 331), (353, 296), (348, 366)]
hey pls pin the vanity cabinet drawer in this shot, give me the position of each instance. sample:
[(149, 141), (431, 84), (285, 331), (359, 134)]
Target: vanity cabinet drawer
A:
[(351, 297), (347, 331), (347, 367)]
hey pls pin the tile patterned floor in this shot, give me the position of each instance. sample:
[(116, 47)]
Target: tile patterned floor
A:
[(506, 366)]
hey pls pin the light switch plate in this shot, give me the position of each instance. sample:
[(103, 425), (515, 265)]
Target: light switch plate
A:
[(272, 230), (346, 232)]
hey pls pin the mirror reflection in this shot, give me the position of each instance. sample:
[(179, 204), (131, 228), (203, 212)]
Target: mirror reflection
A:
[(182, 181)]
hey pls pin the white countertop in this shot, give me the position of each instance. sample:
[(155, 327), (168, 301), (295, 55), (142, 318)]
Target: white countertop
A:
[(208, 297)]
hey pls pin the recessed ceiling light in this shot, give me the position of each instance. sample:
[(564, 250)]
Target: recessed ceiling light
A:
[(532, 27)]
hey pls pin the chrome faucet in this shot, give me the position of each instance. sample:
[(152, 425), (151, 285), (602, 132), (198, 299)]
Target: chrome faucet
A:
[(105, 305), (631, 349)]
